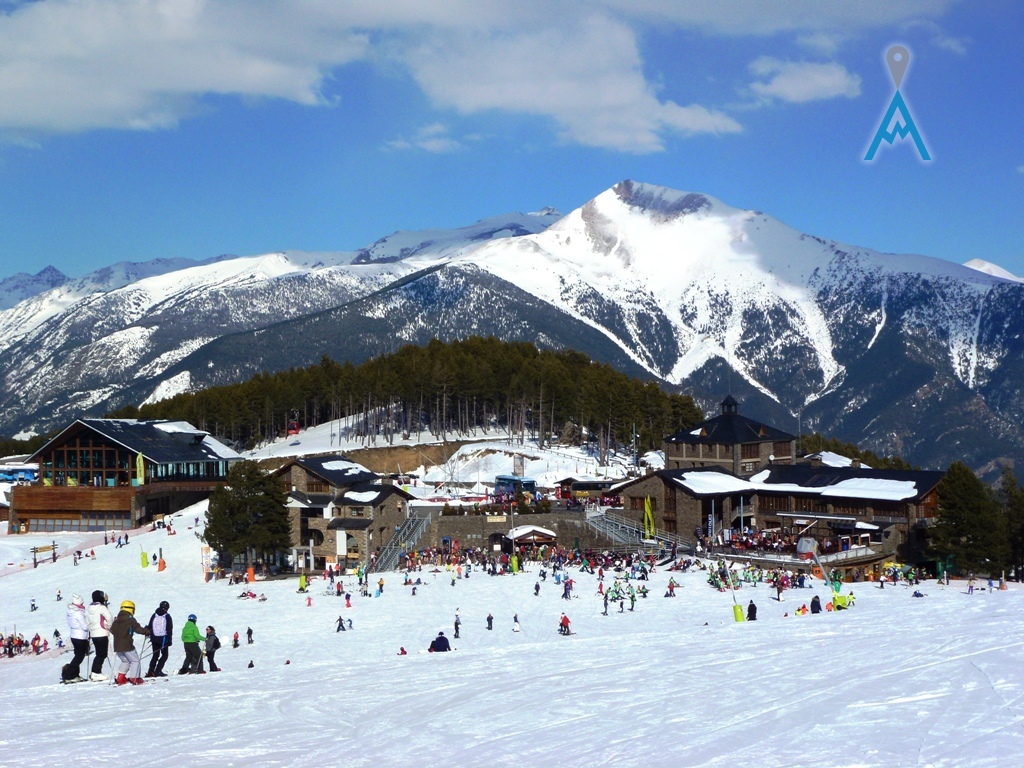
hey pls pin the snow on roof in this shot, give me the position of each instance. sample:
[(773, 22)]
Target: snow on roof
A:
[(830, 459), (340, 465), (362, 496), (178, 427), (525, 530), (872, 488), (713, 482), (852, 488)]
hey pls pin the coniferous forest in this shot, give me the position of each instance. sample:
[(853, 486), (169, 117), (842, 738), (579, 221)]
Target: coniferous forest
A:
[(445, 391)]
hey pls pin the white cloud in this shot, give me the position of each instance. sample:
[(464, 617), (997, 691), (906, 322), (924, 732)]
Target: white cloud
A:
[(939, 38), (430, 138), (77, 65), (587, 78), (803, 81), (823, 43), (73, 65), (757, 17)]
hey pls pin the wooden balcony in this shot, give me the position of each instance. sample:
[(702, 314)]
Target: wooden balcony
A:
[(89, 498)]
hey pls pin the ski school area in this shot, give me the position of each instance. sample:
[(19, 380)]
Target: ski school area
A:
[(895, 680)]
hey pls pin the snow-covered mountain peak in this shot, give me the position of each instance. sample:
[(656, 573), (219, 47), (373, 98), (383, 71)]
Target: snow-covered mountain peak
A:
[(430, 244), (660, 202), (988, 268), (21, 286)]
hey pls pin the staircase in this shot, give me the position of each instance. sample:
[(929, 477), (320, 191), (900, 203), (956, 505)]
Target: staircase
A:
[(405, 538), (627, 532)]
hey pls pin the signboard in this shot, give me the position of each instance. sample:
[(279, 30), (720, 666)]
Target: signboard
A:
[(518, 465), (207, 559)]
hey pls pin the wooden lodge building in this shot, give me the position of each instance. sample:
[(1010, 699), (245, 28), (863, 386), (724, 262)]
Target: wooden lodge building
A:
[(709, 485), (344, 509), (115, 474)]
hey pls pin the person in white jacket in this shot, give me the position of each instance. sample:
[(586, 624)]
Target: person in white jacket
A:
[(100, 619), (78, 623)]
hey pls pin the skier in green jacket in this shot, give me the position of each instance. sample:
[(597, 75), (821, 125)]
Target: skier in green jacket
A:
[(191, 637)]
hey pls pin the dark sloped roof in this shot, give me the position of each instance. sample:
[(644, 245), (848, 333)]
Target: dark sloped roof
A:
[(162, 442), (310, 499), (667, 475), (370, 494), (338, 471), (730, 428), (811, 477), (349, 524)]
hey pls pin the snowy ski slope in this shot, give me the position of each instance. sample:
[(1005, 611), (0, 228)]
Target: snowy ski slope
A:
[(896, 681)]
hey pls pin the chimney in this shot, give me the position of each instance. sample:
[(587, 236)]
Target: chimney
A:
[(816, 461), (855, 463)]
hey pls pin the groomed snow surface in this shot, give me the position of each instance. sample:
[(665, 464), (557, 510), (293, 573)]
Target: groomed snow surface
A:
[(896, 681)]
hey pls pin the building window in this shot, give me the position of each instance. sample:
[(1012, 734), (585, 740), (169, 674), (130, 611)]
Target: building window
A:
[(848, 507), (808, 504), (781, 449), (774, 503), (750, 451)]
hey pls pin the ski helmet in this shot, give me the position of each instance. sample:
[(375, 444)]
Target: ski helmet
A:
[(98, 596), (165, 605), (191, 617), (129, 606)]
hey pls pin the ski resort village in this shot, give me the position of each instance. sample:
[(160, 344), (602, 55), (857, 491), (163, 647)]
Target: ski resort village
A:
[(727, 599), (511, 385)]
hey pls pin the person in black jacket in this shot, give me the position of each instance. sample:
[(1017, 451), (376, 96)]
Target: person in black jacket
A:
[(815, 604), (212, 646), (751, 611), (161, 629), (440, 644)]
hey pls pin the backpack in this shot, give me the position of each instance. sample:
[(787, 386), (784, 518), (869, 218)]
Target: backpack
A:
[(216, 642)]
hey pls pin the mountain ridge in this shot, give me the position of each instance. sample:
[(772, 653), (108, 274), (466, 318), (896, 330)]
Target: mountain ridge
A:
[(671, 285)]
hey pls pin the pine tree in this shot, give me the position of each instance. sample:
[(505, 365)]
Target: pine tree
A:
[(970, 526), (248, 513), (1012, 497)]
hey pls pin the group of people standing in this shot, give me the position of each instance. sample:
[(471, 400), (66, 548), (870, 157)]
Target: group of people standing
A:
[(97, 623)]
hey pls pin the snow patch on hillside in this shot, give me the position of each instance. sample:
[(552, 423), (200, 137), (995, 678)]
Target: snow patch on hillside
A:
[(176, 385)]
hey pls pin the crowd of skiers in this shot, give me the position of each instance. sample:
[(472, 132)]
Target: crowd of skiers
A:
[(94, 629)]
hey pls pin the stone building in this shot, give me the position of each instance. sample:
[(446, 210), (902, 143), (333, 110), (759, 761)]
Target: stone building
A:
[(836, 504), (346, 511)]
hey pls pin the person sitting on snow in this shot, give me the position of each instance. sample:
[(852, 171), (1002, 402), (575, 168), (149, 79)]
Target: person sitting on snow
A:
[(439, 644)]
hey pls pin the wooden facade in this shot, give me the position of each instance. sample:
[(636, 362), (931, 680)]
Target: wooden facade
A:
[(101, 475)]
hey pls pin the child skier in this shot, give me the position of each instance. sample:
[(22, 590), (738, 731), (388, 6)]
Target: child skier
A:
[(191, 638), (123, 628), (212, 644)]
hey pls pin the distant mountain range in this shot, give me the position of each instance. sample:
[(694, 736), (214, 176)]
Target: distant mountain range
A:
[(902, 354)]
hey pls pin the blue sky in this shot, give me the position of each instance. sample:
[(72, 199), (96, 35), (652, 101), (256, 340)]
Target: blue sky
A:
[(190, 128)]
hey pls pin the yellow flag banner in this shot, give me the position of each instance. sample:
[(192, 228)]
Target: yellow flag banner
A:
[(649, 528), (140, 469)]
